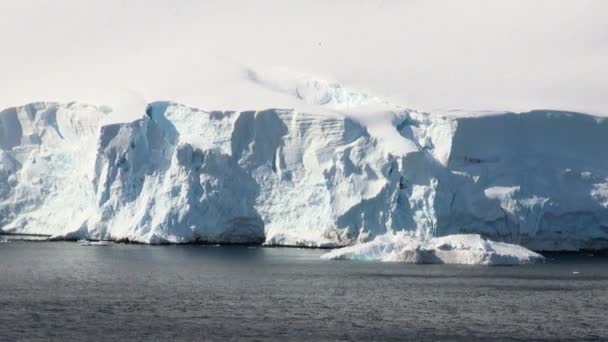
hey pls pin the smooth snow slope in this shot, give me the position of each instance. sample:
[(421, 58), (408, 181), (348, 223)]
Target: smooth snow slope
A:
[(512, 55), (328, 176)]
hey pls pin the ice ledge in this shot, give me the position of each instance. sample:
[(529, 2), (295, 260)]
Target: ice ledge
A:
[(468, 249)]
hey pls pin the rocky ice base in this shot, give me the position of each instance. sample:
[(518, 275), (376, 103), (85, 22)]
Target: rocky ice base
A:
[(321, 177), (469, 249)]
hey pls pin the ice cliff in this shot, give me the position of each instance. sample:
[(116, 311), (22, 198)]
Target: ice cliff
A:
[(292, 177)]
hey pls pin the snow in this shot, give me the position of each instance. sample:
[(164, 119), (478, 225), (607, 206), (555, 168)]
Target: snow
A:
[(469, 249), (341, 167), (299, 128), (471, 55)]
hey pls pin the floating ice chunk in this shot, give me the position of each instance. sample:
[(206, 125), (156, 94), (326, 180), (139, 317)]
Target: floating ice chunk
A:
[(470, 249), (93, 243)]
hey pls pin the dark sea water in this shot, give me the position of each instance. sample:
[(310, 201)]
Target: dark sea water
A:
[(61, 291)]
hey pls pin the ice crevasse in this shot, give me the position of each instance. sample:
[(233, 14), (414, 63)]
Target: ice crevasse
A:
[(287, 177)]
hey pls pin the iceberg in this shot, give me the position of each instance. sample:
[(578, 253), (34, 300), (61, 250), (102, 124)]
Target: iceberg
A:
[(93, 243), (344, 169), (468, 249)]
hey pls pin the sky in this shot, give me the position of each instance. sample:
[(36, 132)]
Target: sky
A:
[(432, 55)]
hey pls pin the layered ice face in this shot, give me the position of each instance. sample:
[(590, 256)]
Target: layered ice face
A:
[(304, 177)]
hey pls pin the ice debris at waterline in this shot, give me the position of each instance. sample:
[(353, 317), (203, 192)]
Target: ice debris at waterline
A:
[(469, 249), (319, 176), (93, 243)]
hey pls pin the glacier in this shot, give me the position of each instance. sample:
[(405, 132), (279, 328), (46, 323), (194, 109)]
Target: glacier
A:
[(319, 176)]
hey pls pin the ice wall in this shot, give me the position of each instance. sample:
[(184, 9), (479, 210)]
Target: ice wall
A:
[(537, 178), (285, 177)]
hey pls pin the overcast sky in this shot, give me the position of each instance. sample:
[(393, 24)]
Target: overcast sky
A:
[(494, 55)]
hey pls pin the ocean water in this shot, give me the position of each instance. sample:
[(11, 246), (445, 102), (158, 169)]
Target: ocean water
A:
[(62, 291)]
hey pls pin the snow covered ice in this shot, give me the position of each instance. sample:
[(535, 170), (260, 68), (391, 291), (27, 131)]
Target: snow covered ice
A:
[(341, 167), (470, 249)]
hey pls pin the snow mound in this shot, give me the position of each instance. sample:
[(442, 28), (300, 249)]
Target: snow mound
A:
[(321, 92), (313, 90), (469, 249)]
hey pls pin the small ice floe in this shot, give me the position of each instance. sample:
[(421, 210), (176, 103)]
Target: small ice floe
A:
[(4, 241), (93, 243), (575, 272), (469, 249)]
